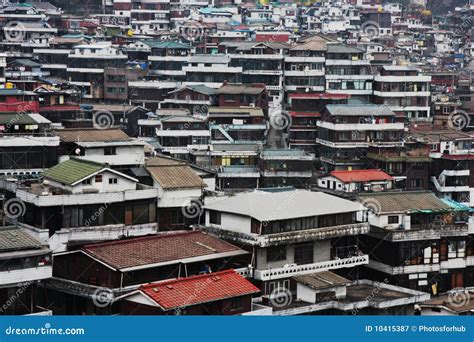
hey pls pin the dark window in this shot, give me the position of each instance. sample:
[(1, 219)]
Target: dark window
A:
[(87, 181), (237, 303), (393, 219), (110, 151), (304, 253), (276, 253), (113, 180), (215, 217), (98, 178)]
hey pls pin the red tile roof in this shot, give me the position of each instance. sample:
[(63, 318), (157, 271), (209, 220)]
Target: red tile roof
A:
[(300, 113), (156, 249), (361, 175), (199, 289)]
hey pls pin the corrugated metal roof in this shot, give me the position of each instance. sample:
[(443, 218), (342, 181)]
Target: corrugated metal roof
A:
[(341, 48), (15, 239), (322, 280), (86, 134), (265, 206), (22, 119), (359, 110), (175, 177), (240, 89), (406, 201)]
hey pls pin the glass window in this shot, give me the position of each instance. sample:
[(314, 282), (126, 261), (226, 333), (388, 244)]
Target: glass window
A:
[(276, 253)]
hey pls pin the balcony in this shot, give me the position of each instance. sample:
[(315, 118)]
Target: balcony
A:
[(340, 144), (60, 240), (405, 94), (25, 275), (313, 234), (443, 188), (397, 126), (347, 62), (419, 233), (290, 271), (287, 173), (49, 200), (289, 237)]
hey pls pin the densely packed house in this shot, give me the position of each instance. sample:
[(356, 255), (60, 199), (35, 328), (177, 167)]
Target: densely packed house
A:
[(168, 157)]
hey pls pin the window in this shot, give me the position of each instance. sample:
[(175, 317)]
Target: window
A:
[(113, 180), (393, 219), (276, 253), (98, 178), (304, 253), (87, 181), (110, 151), (237, 303), (215, 217)]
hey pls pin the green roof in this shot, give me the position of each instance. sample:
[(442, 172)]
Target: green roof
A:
[(17, 92), (72, 171), (166, 44), (15, 239), (201, 88), (16, 119), (26, 62)]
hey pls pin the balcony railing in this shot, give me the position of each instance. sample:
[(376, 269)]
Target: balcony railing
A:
[(290, 271), (25, 275)]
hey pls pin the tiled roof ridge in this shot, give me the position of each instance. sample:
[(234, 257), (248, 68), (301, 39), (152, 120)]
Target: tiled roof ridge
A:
[(142, 238), (349, 171), (188, 279), (398, 193)]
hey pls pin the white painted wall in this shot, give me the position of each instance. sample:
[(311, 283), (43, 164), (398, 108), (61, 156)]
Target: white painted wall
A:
[(104, 186), (235, 223)]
